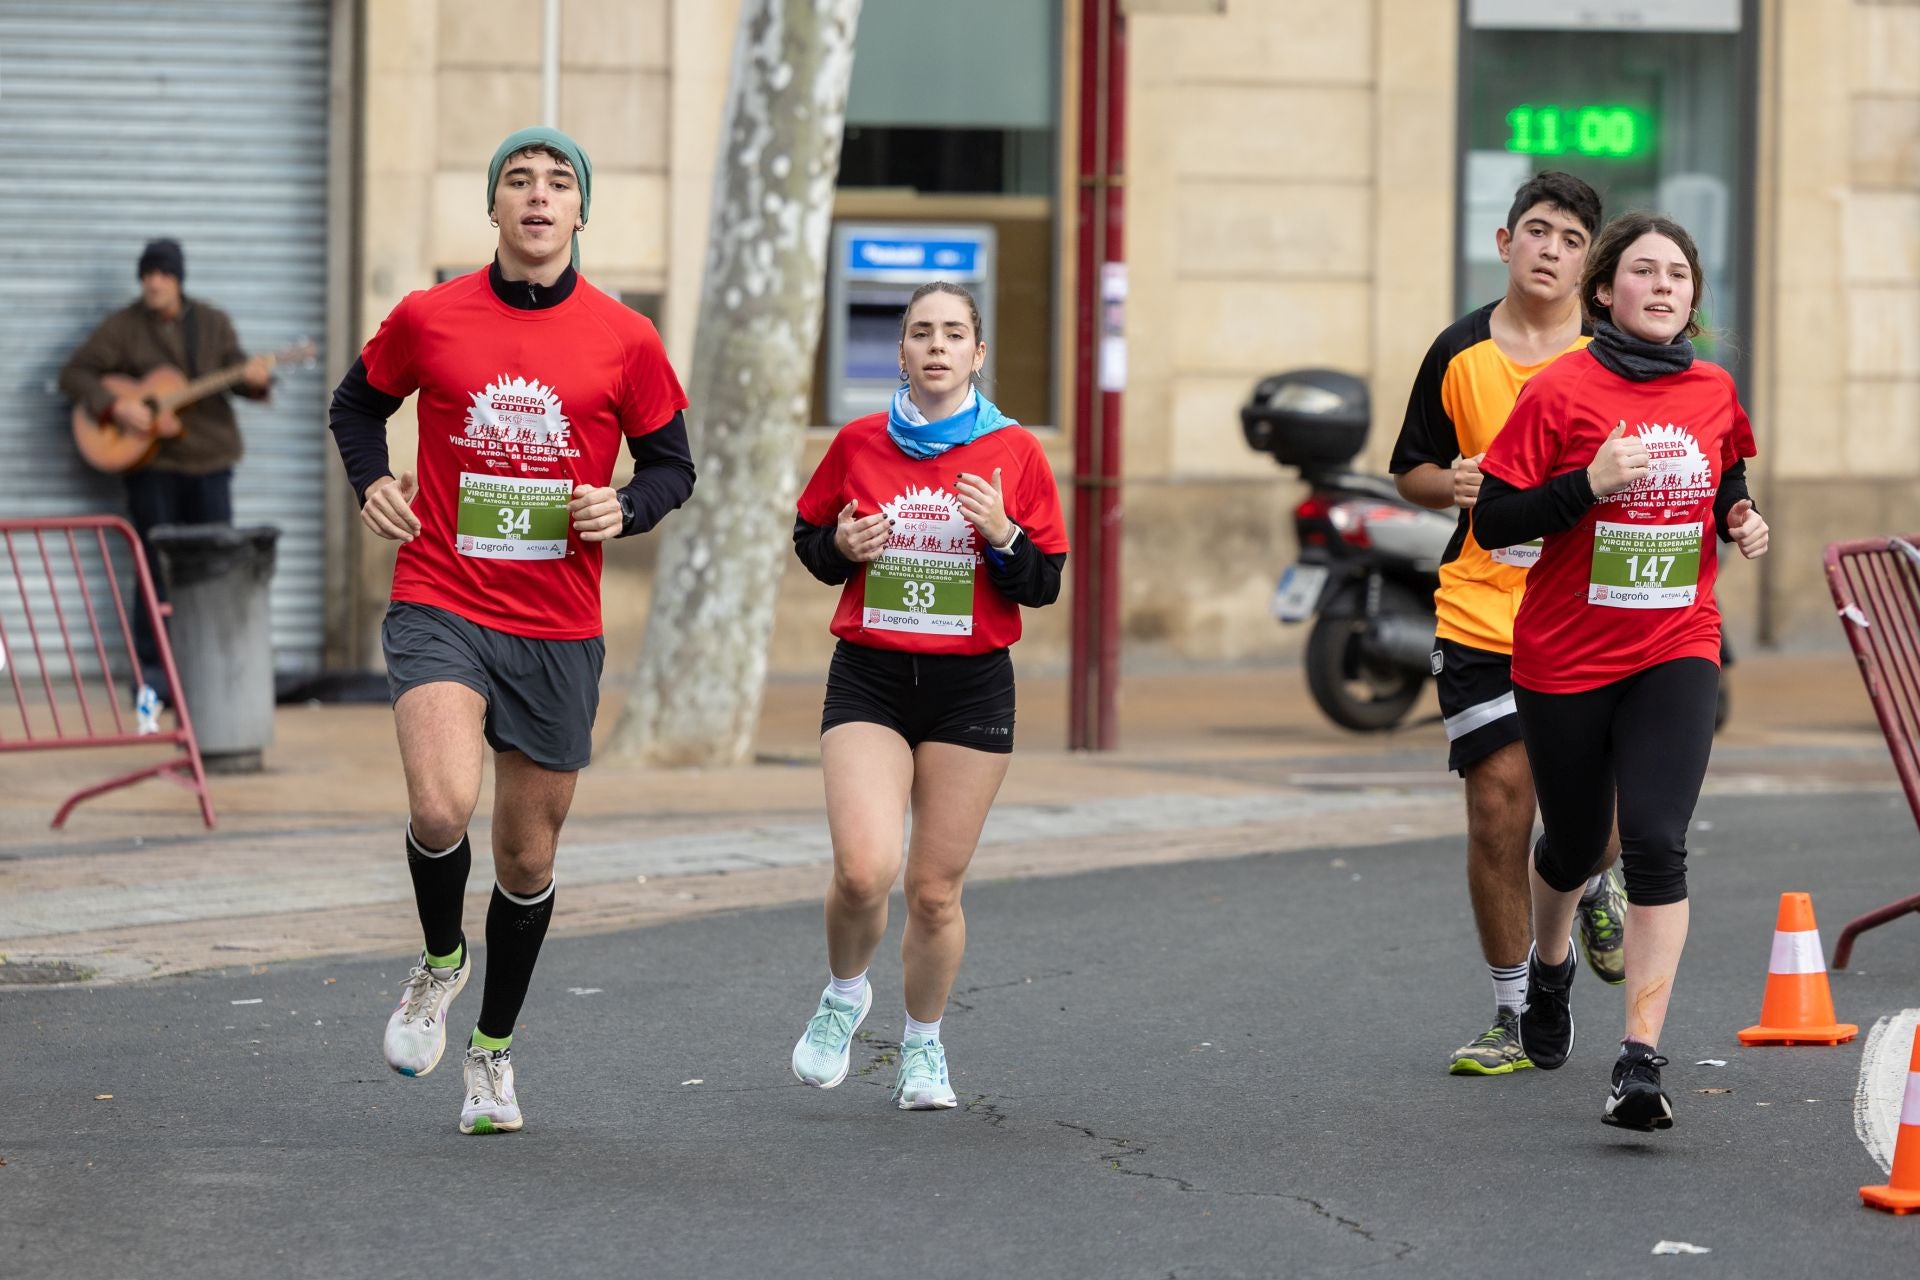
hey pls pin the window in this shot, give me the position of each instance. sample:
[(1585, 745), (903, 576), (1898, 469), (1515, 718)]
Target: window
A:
[(1650, 104)]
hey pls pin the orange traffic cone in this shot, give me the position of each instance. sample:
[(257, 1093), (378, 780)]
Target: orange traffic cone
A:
[(1901, 1193), (1798, 1007)]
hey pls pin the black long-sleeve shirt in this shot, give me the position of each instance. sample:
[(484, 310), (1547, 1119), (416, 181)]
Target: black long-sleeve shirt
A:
[(1023, 573), (663, 470), (1505, 516)]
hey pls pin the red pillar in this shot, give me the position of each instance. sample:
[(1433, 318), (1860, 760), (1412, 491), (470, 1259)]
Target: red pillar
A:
[(1099, 373)]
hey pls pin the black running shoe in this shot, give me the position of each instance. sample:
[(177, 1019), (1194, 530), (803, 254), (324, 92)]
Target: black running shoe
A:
[(1546, 1020), (1637, 1100)]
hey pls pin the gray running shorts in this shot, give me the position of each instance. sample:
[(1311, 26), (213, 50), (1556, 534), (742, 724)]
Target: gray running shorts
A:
[(541, 694)]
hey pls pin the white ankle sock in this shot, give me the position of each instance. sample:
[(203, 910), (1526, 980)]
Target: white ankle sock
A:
[(1593, 886), (847, 988), (931, 1030), (1509, 985)]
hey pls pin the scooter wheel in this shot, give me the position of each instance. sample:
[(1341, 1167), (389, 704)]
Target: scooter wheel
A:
[(1353, 692)]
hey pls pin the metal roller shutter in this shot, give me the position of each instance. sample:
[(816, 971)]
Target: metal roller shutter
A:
[(204, 120)]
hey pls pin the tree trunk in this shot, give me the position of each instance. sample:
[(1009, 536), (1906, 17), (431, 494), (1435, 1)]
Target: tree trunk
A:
[(694, 695)]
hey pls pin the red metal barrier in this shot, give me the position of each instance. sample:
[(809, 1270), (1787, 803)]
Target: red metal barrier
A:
[(1876, 586), (61, 597)]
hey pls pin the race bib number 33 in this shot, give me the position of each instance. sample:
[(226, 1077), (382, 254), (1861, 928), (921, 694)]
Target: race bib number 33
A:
[(924, 591), (1645, 566), (510, 518)]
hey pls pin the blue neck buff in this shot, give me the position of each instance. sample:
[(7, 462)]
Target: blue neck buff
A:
[(918, 438)]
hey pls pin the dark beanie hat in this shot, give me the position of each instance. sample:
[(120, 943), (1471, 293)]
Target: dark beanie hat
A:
[(165, 256)]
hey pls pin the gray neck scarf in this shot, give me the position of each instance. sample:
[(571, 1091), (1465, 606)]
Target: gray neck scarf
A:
[(1635, 360)]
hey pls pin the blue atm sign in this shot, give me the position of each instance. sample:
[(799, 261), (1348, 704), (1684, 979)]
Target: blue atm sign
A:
[(868, 255)]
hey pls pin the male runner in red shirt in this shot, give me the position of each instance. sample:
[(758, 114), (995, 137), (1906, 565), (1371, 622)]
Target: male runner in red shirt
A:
[(529, 379)]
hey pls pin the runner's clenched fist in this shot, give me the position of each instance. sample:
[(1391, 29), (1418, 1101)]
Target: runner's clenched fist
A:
[(860, 538)]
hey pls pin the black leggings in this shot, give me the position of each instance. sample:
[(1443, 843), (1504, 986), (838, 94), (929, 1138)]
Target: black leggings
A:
[(1640, 744)]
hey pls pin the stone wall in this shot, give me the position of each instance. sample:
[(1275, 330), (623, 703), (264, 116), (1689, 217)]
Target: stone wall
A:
[(1272, 223), (1837, 403)]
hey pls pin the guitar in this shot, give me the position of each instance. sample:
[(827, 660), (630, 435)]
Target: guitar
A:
[(108, 446)]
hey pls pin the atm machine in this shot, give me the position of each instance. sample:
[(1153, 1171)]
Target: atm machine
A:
[(872, 271)]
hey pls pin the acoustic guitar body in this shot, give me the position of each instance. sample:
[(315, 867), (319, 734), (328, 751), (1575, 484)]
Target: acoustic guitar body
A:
[(108, 446)]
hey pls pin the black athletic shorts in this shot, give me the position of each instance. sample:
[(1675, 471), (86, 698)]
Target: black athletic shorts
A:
[(541, 695), (965, 699), (1476, 701)]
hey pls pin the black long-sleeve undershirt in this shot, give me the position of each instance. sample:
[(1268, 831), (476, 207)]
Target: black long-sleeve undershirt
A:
[(1733, 487), (663, 475), (1026, 575), (358, 418), (1023, 574), (1505, 516), (813, 543)]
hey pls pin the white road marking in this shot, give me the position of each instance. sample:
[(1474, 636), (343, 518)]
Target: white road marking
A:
[(1883, 1083)]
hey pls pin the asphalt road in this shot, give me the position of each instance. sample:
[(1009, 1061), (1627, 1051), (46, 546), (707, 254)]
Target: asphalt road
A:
[(1207, 1070)]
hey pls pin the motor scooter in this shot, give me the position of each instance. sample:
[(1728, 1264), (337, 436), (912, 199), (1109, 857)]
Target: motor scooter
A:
[(1369, 559)]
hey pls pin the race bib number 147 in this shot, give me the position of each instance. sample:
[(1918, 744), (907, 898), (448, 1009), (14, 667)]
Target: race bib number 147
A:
[(1645, 566)]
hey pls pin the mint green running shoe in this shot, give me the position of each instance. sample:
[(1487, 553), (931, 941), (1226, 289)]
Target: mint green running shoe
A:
[(825, 1049), (922, 1084)]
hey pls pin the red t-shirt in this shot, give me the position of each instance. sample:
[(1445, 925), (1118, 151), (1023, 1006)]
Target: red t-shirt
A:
[(516, 408), (1630, 585), (929, 591)]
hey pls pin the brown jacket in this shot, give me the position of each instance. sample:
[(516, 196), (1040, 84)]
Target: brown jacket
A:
[(135, 341)]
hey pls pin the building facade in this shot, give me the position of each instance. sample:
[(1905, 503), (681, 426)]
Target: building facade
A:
[(1306, 184)]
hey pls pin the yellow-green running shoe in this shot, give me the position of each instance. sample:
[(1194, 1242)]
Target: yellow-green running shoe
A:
[(1603, 927), (492, 1105), (1495, 1053)]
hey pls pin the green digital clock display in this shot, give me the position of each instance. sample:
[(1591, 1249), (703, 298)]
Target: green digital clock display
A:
[(1603, 131)]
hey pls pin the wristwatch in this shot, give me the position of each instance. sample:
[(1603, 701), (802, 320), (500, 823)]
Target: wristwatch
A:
[(627, 514), (1011, 539)]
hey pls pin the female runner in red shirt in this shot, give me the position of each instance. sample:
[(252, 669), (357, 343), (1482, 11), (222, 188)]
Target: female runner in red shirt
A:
[(942, 519), (1625, 456)]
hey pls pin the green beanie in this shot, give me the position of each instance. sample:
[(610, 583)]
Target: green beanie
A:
[(542, 136)]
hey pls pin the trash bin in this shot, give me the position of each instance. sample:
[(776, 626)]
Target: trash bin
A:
[(222, 633)]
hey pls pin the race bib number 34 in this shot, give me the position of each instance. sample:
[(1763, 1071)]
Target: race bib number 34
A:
[(924, 591), (509, 518), (1645, 566)]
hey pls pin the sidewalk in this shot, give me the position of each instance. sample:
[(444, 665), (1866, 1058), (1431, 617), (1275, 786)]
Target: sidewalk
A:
[(1214, 763)]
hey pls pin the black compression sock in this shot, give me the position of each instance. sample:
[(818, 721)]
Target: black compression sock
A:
[(516, 926), (439, 886)]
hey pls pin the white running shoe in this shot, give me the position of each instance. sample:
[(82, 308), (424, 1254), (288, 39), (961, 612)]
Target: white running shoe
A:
[(491, 1106), (417, 1031), (825, 1049), (922, 1084)]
